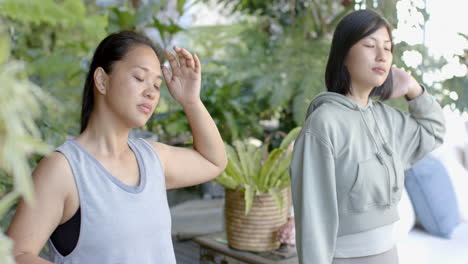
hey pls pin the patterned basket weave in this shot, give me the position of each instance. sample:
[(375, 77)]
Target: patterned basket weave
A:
[(257, 230)]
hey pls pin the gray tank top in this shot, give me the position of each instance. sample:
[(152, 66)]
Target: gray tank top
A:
[(119, 223)]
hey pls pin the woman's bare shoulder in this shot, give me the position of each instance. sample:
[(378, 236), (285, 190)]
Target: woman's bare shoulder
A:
[(55, 170)]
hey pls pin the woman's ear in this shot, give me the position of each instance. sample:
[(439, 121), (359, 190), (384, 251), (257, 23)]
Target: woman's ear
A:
[(101, 80)]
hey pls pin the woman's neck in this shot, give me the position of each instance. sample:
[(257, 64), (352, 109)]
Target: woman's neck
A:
[(105, 137), (359, 94)]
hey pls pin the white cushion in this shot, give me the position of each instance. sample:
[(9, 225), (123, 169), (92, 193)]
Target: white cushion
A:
[(421, 247)]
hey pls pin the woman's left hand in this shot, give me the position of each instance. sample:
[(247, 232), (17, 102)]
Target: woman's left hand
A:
[(184, 82), (404, 84)]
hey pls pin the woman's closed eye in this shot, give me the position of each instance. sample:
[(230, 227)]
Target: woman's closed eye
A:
[(138, 78), (373, 46)]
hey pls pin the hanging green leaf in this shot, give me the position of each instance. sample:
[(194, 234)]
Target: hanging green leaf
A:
[(180, 6), (227, 181), (276, 193), (269, 166), (249, 196), (292, 135), (279, 171), (8, 201)]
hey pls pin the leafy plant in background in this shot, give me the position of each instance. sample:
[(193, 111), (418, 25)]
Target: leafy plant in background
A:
[(275, 57), (462, 92), (325, 14), (55, 39), (233, 105), (287, 72), (255, 170), (19, 136), (280, 49), (458, 84)]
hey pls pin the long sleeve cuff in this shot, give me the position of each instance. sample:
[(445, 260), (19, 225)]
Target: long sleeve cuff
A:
[(422, 103)]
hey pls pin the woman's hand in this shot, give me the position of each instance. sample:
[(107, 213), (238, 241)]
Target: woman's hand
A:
[(184, 82), (287, 233), (207, 159), (404, 84)]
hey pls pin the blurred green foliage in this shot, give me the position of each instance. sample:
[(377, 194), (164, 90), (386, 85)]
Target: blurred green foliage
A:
[(55, 39), (19, 136)]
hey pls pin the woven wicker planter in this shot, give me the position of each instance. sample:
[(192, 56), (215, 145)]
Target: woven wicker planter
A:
[(257, 230)]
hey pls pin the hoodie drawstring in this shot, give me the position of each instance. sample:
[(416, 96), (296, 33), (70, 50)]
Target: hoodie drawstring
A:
[(377, 153), (387, 149)]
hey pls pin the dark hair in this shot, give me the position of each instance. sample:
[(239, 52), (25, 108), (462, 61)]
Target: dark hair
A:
[(111, 49), (352, 28)]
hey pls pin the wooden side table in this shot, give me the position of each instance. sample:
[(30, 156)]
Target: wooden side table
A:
[(214, 250)]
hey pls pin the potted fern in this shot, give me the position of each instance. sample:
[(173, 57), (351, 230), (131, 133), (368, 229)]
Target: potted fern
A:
[(257, 193)]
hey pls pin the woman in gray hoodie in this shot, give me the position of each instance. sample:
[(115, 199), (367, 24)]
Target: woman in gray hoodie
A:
[(348, 164)]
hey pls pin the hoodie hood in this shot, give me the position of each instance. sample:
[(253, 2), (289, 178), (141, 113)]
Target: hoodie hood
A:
[(335, 98)]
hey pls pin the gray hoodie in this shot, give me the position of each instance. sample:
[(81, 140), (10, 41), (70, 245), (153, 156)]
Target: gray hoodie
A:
[(347, 169)]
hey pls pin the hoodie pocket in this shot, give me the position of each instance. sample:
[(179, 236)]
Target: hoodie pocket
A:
[(371, 187)]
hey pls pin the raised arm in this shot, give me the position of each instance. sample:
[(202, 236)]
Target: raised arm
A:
[(422, 129), (183, 166)]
